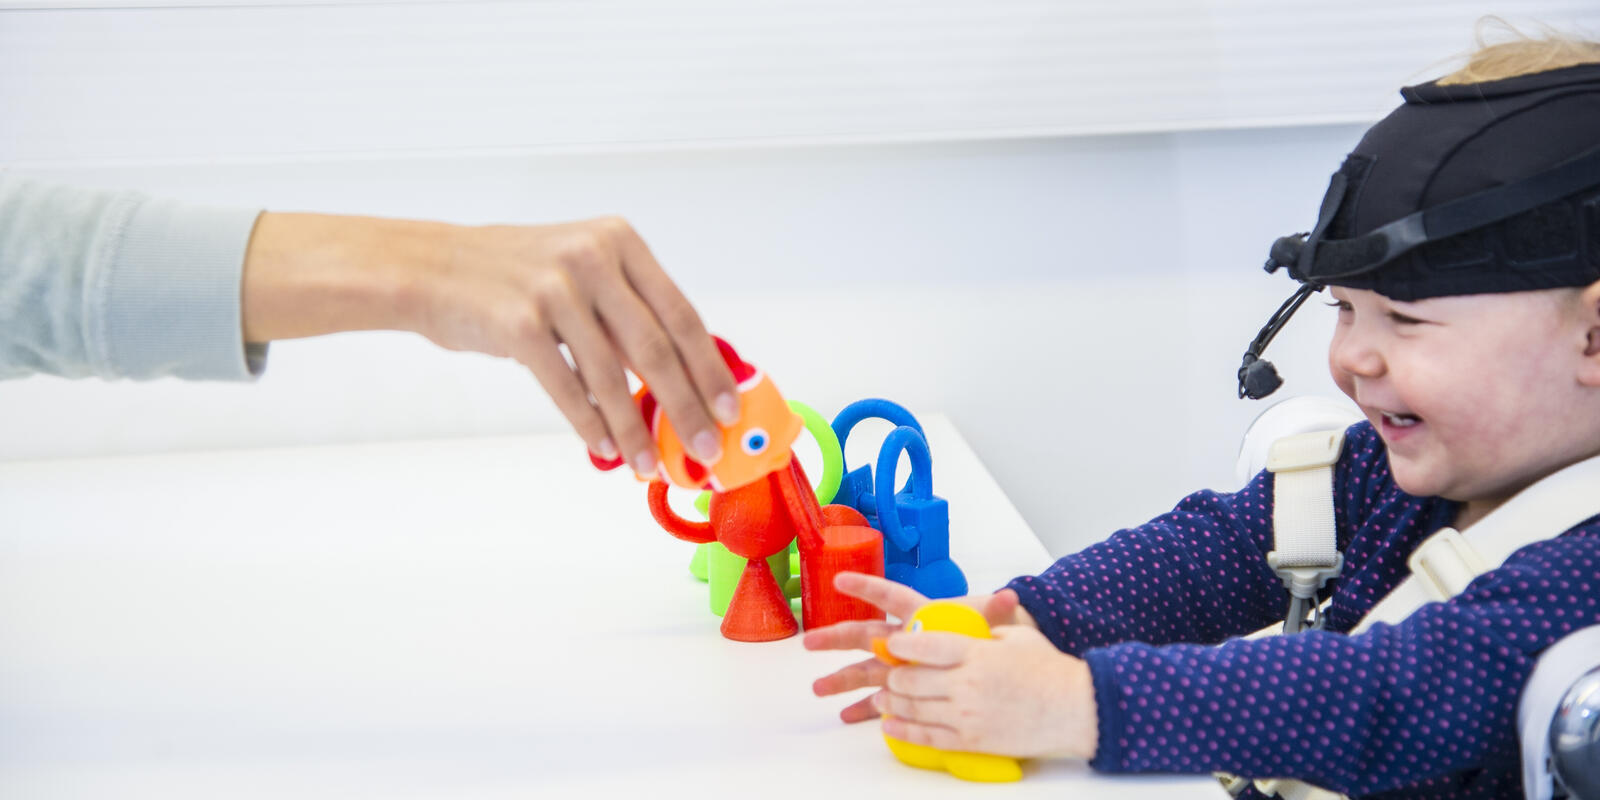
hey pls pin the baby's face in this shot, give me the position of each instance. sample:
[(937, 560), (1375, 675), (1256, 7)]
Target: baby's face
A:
[(1474, 395)]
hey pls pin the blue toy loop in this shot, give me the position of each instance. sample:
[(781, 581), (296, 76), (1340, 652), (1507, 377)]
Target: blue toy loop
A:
[(910, 441), (874, 408)]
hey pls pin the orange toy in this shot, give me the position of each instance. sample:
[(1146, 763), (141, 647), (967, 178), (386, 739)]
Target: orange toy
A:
[(752, 448)]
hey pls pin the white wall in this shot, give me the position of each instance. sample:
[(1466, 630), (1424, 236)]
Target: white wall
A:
[(1078, 305), (1044, 219)]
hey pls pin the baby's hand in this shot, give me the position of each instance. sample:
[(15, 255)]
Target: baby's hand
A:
[(897, 601), (1014, 695)]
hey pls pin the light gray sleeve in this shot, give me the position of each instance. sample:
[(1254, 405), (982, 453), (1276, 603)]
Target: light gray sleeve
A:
[(120, 285)]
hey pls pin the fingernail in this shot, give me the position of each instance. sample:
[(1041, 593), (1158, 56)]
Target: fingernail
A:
[(607, 449), (644, 463), (726, 407), (707, 447), (879, 702)]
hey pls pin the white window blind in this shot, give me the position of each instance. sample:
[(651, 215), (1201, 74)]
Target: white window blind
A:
[(122, 81)]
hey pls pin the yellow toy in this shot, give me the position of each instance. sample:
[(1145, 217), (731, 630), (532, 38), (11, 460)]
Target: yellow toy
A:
[(948, 615)]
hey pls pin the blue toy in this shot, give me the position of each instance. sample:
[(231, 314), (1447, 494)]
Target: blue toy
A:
[(915, 522), (855, 488)]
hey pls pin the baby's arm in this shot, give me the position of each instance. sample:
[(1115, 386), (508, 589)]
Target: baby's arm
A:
[(1196, 574), (1396, 706)]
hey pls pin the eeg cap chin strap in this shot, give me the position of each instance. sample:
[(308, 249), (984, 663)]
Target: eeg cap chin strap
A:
[(1464, 189)]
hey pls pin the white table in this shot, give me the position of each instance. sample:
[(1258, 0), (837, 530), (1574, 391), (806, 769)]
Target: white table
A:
[(467, 618)]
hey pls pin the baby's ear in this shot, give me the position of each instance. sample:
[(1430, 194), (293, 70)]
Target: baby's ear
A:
[(1589, 305)]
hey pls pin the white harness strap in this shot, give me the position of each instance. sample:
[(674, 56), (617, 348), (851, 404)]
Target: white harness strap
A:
[(1443, 565), (1305, 554), (1447, 561), (1305, 550)]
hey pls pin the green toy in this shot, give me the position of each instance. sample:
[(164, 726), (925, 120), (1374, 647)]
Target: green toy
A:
[(719, 568)]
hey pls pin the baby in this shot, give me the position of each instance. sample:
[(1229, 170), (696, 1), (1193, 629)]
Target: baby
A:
[(1476, 360)]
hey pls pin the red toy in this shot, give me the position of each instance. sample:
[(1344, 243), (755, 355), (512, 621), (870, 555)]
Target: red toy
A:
[(760, 502), (759, 520)]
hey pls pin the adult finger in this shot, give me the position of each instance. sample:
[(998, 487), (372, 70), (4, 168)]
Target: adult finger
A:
[(931, 648), (701, 358), (870, 672), (849, 635), (655, 357), (896, 599), (538, 350), (602, 374)]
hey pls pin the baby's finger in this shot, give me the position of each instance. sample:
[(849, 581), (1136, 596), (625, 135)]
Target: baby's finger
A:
[(870, 672), (931, 648), (861, 710), (851, 635), (918, 681), (921, 710), (897, 599), (937, 736), (1001, 607)]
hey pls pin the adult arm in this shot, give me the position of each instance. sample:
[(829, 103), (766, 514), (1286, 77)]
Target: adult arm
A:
[(518, 291), (119, 285)]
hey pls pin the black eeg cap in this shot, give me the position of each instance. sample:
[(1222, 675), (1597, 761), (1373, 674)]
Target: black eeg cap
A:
[(1466, 189), (1463, 189)]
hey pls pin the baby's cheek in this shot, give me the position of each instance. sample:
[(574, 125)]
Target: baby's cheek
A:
[(1344, 380)]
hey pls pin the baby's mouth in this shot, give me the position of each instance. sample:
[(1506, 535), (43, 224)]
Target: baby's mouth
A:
[(1400, 420)]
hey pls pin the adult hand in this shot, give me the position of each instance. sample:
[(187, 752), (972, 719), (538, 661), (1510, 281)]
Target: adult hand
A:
[(897, 601), (517, 291)]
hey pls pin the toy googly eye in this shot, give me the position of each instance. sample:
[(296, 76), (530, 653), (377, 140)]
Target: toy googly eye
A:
[(754, 441), (915, 626)]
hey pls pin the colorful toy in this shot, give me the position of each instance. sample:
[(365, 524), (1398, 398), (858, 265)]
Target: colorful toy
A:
[(856, 485), (954, 617), (760, 502), (914, 521), (752, 448), (755, 523), (720, 568)]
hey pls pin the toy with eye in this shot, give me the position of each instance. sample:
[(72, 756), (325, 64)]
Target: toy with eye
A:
[(720, 569), (760, 502), (752, 448)]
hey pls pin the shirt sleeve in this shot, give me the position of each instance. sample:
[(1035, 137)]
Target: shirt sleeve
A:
[(1196, 574), (1394, 706), (120, 285)]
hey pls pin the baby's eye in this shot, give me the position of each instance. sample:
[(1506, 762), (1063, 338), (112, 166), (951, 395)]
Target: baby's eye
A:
[(1342, 305), (1402, 319), (754, 441)]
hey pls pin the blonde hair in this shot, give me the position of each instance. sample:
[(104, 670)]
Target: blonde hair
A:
[(1522, 55)]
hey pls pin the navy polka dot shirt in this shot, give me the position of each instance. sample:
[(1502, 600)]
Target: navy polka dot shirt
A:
[(1426, 708)]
